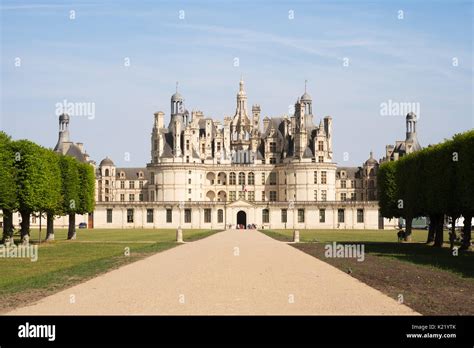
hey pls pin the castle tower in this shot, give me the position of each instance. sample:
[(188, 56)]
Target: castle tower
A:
[(411, 141), (240, 122)]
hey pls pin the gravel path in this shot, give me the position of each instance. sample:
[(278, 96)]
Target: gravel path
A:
[(232, 272)]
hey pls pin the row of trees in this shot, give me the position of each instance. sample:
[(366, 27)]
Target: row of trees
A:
[(437, 181), (34, 179)]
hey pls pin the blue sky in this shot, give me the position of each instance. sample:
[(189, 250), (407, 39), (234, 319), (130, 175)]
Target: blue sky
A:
[(82, 60)]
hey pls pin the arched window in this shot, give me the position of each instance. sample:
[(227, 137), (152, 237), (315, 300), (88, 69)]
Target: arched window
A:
[(251, 178), (232, 178), (106, 172), (265, 216), (241, 178), (371, 184)]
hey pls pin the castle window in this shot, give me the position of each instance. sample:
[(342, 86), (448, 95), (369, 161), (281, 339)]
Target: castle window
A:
[(272, 160), (322, 215), (323, 177), (263, 178), (320, 159), (232, 178), (131, 184), (122, 174), (129, 215), (284, 215), (207, 215), (131, 197), (343, 183), (187, 216), (315, 195), (251, 178), (273, 147), (140, 197), (140, 184), (187, 145), (241, 194), (241, 178), (273, 178), (323, 195), (360, 215), (109, 216), (231, 196), (320, 146), (149, 216), (106, 172), (251, 196), (343, 196), (340, 215), (122, 184), (315, 177), (122, 197), (263, 196), (273, 196), (218, 146), (300, 215), (265, 216), (169, 216), (353, 196)]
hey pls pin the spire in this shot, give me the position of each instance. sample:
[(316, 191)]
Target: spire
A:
[(241, 84), (177, 86), (305, 83)]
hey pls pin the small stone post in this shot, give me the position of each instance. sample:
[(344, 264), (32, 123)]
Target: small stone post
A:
[(296, 236), (179, 235)]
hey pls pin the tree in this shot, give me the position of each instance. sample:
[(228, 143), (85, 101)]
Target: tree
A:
[(70, 191), (8, 190), (387, 190), (87, 188), (53, 200), (32, 182), (463, 156)]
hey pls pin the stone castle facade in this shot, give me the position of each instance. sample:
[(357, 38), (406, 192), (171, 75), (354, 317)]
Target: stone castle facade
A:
[(275, 173)]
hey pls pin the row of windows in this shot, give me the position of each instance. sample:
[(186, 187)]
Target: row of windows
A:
[(169, 215), (220, 215), (131, 197), (272, 178), (322, 215), (323, 179), (131, 184)]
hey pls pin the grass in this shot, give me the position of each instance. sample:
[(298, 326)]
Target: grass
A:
[(345, 235), (431, 280), (62, 263)]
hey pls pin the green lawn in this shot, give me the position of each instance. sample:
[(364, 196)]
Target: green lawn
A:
[(432, 280), (62, 263), (346, 235)]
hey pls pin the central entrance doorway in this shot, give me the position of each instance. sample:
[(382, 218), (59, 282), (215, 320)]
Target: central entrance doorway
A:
[(242, 218)]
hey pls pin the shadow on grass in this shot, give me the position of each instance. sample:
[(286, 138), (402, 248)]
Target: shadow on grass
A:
[(423, 254)]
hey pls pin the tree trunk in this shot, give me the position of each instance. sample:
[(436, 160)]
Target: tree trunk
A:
[(71, 233), (452, 234), (408, 223), (7, 226), (466, 232), (25, 227), (439, 231), (49, 226), (431, 230)]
